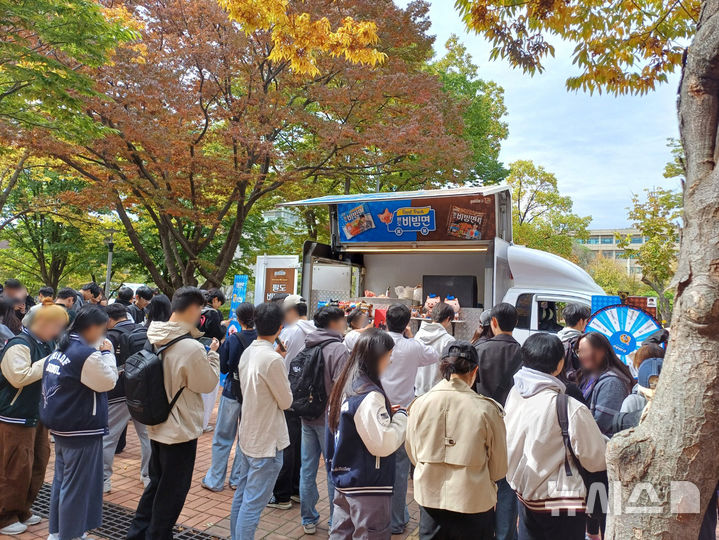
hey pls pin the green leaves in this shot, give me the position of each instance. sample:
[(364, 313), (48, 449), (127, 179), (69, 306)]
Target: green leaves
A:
[(44, 47)]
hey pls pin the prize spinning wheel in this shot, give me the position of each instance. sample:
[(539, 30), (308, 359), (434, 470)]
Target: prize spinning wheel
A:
[(625, 327)]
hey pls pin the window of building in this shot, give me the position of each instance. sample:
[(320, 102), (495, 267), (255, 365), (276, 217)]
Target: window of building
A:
[(637, 240), (607, 239), (593, 240)]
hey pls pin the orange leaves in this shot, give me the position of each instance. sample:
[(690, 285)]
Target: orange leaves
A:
[(622, 47), (298, 39)]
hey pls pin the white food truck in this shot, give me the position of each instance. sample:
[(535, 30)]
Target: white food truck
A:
[(451, 243)]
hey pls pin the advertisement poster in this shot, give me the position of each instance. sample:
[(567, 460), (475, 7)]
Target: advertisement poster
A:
[(451, 219), (239, 295), (279, 280)]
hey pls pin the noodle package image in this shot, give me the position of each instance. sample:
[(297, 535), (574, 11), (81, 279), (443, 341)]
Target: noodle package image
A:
[(356, 220), (465, 223)]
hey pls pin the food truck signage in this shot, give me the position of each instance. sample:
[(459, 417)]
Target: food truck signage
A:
[(441, 219)]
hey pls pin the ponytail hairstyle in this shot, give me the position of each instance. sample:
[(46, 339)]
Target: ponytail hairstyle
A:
[(372, 345), (459, 357), (87, 316)]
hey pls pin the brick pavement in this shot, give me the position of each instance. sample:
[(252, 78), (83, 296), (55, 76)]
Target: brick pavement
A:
[(205, 510)]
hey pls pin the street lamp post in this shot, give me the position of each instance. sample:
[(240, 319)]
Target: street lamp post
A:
[(110, 248)]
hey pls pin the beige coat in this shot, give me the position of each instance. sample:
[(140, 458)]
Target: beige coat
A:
[(457, 441), (186, 364)]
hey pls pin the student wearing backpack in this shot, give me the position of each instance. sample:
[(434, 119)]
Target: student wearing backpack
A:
[(363, 434), (550, 486), (188, 370), (24, 444), (263, 431), (331, 325), (120, 332), (75, 382), (228, 412), (575, 317)]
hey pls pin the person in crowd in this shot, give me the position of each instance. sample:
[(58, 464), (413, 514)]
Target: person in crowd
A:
[(363, 434), (143, 297), (296, 326), (635, 406), (189, 370), (408, 355), (471, 462), (211, 323), (119, 328), (9, 324), (575, 317), (124, 298), (357, 321), (45, 292), (75, 382), (638, 398), (484, 332), (499, 360), (16, 290), (90, 293), (436, 335), (549, 485), (159, 309), (228, 412), (24, 444), (263, 430), (330, 323), (67, 298), (604, 380)]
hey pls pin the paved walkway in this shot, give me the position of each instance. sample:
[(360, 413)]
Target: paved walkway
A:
[(205, 510)]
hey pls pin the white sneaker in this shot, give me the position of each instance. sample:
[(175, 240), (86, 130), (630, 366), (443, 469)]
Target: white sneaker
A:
[(145, 480), (13, 529), (107, 486), (54, 536), (32, 520)]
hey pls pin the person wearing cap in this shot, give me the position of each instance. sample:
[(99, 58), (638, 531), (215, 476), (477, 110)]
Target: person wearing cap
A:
[(635, 405), (484, 332), (456, 463)]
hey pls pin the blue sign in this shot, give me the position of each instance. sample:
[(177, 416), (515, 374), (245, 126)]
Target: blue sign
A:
[(239, 295), (386, 221)]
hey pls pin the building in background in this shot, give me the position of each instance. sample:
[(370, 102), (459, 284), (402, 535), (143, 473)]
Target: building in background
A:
[(603, 242)]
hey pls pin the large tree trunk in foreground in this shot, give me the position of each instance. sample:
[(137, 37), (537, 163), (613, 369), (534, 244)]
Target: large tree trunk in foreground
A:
[(679, 440)]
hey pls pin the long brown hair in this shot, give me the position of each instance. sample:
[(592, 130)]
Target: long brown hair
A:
[(611, 360), (372, 345), (650, 350)]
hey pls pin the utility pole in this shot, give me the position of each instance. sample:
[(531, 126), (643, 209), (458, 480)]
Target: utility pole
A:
[(110, 248)]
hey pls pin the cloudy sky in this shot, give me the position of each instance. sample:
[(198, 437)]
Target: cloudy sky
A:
[(602, 148)]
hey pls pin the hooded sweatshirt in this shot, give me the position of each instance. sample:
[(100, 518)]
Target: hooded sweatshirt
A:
[(186, 364), (335, 355), (294, 339), (436, 336), (568, 333), (535, 448)]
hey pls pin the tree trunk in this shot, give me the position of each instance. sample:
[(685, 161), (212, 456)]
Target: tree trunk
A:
[(678, 441)]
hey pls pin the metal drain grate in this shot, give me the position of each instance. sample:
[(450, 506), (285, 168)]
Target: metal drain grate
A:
[(116, 520)]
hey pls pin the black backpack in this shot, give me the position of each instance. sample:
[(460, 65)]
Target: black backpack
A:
[(235, 387), (571, 359), (145, 385), (132, 342), (307, 381)]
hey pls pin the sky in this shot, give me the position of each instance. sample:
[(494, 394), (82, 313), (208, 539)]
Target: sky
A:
[(603, 149)]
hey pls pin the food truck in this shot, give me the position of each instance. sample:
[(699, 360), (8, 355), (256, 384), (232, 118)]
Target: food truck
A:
[(422, 247)]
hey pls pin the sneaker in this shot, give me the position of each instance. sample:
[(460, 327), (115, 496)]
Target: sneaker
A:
[(13, 529), (233, 487), (32, 520), (274, 503), (208, 429), (53, 536), (145, 480), (107, 486), (215, 490), (310, 528), (295, 498)]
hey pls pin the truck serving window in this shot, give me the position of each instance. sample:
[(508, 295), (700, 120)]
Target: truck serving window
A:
[(524, 311)]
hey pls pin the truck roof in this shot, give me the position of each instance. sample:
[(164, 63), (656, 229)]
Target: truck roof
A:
[(392, 195)]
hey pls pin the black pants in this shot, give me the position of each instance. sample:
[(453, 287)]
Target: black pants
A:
[(545, 526), (288, 482), (437, 524), (171, 467)]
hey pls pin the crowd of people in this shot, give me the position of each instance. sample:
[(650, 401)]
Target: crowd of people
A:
[(501, 440)]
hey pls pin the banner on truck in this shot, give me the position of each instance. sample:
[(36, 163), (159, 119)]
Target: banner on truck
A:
[(449, 219)]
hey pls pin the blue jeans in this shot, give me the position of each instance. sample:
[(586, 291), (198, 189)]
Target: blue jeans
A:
[(313, 444), (400, 513), (506, 514), (254, 490), (228, 417)]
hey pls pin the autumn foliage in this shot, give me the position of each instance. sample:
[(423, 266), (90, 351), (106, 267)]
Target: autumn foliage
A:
[(208, 120)]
